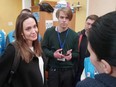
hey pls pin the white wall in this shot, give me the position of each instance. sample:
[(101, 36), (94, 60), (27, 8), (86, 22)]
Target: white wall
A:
[(100, 7), (26, 4)]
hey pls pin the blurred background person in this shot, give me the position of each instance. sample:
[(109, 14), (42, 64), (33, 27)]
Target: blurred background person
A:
[(82, 45)]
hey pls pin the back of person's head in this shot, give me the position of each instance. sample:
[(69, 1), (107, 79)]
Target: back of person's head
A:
[(92, 17), (26, 11), (67, 11), (102, 38)]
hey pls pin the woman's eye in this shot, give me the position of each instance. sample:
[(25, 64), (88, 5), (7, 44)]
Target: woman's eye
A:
[(28, 28), (35, 26)]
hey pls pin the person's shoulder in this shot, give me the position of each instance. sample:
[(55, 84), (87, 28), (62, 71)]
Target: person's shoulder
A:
[(51, 28), (85, 83), (89, 82), (2, 33), (11, 33), (11, 46), (49, 31), (9, 51), (72, 32), (81, 32)]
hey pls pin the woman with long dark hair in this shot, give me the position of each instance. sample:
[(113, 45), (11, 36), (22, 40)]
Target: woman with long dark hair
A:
[(30, 72)]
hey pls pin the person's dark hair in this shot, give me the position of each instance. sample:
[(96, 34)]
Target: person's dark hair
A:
[(25, 11), (67, 11), (26, 53), (102, 38), (92, 17)]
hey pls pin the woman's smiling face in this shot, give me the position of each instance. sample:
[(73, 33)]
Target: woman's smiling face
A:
[(30, 30)]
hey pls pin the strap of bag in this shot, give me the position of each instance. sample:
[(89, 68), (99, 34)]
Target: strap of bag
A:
[(80, 39), (15, 63)]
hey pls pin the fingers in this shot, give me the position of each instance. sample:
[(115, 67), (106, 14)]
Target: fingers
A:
[(59, 50), (57, 53), (68, 57), (69, 52)]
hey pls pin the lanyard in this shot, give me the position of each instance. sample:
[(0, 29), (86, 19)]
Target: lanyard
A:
[(59, 39)]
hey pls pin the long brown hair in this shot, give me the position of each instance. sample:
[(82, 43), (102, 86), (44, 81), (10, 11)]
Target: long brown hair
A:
[(25, 51)]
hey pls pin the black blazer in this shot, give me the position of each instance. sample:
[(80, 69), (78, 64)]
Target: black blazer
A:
[(27, 74)]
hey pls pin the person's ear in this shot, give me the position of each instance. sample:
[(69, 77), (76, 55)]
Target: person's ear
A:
[(106, 66)]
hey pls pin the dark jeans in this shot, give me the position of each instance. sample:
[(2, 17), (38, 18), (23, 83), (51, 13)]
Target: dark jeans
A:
[(60, 78)]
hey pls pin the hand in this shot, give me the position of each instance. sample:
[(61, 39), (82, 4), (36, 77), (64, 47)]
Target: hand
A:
[(68, 55), (69, 52), (57, 54)]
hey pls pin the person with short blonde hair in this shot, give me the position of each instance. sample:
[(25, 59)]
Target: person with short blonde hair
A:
[(60, 47), (82, 46), (66, 11)]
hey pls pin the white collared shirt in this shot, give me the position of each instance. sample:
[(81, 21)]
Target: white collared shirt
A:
[(41, 65)]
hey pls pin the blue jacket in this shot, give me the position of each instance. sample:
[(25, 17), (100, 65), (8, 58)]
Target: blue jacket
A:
[(2, 42)]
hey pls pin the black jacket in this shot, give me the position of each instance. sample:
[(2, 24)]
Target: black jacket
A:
[(27, 74), (82, 53), (101, 80)]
